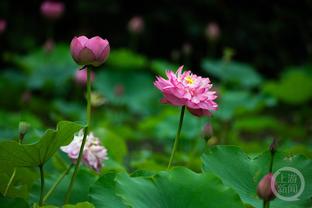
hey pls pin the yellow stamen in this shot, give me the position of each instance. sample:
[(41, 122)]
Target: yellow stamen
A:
[(189, 80)]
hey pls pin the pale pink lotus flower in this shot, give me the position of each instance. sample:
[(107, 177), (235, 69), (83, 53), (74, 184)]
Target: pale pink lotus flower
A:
[(93, 152), (187, 89), (93, 51), (52, 9), (81, 77), (213, 31), (136, 25), (3, 25)]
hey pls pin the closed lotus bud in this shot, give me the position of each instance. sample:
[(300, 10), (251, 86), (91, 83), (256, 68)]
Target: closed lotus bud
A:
[(207, 130), (212, 31), (81, 77), (3, 25), (23, 128), (136, 25), (187, 49), (52, 9), (119, 90), (93, 51), (48, 46), (264, 189)]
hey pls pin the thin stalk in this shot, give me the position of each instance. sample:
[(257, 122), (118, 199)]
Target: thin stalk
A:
[(57, 182), (86, 131), (42, 185), (9, 183), (176, 141), (20, 139)]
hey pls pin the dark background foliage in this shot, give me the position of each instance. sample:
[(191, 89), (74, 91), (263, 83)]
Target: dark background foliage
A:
[(267, 34)]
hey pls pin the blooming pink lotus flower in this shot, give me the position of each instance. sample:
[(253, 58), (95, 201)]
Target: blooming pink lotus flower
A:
[(3, 25), (93, 51), (93, 152), (81, 77), (136, 25), (265, 187), (187, 89), (52, 9)]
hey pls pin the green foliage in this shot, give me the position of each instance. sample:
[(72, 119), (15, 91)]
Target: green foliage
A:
[(84, 180), (294, 87), (49, 70), (232, 72), (132, 89), (30, 155), (163, 126), (6, 202), (243, 173), (160, 66), (179, 187), (125, 59)]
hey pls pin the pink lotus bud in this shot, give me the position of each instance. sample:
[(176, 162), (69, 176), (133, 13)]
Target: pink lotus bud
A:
[(119, 90), (212, 31), (48, 46), (3, 25), (81, 77), (187, 49), (264, 189), (207, 130), (52, 9), (136, 24), (93, 51)]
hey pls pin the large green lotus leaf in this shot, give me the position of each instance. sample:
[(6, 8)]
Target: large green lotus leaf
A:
[(132, 89), (85, 178), (243, 173), (28, 155), (78, 205), (125, 59), (6, 202), (21, 184), (233, 72), (294, 87), (179, 187)]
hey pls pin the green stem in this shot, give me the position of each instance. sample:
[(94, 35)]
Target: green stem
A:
[(57, 182), (266, 204), (86, 131), (42, 185), (176, 141), (9, 183), (20, 140)]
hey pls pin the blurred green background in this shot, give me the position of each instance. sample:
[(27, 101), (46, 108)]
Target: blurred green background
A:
[(257, 54)]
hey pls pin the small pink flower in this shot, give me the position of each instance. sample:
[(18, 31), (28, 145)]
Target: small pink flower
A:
[(93, 153), (52, 9), (212, 31), (93, 51), (187, 89), (81, 77), (136, 25), (3, 25)]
